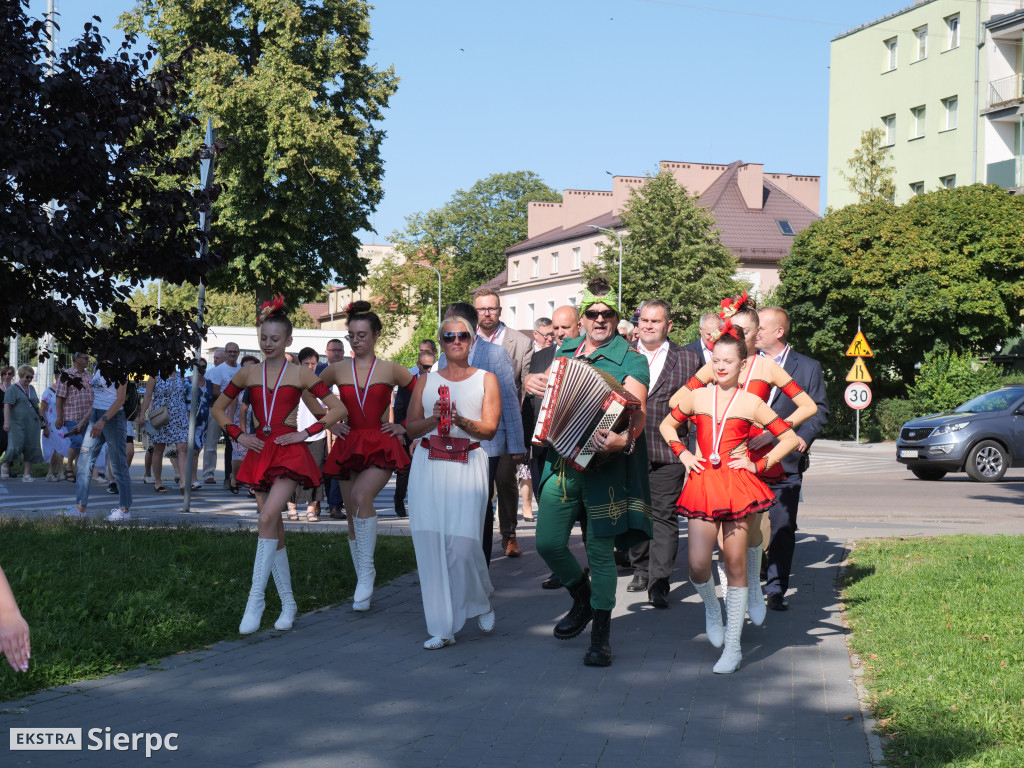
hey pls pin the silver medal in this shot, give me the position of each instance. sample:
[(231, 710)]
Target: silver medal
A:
[(715, 459), (266, 429)]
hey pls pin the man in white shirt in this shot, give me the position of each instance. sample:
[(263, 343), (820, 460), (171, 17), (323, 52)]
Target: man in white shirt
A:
[(220, 376), (520, 350)]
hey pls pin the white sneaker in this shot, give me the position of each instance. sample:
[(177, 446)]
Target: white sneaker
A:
[(118, 516), (149, 481), (73, 511), (27, 479)]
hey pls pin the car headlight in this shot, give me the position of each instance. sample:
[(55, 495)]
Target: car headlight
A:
[(945, 429)]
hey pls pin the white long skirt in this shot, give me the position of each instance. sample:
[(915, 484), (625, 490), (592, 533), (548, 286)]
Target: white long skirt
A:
[(447, 505)]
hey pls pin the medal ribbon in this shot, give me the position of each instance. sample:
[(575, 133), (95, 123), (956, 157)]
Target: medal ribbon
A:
[(267, 415), (716, 430), (355, 380)]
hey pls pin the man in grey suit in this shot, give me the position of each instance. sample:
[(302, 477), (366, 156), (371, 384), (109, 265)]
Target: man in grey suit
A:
[(671, 367), (508, 440), (772, 341), (520, 352)]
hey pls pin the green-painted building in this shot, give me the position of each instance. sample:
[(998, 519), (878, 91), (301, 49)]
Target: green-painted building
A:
[(942, 79)]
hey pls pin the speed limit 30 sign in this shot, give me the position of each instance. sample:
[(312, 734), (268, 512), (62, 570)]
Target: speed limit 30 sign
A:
[(858, 395)]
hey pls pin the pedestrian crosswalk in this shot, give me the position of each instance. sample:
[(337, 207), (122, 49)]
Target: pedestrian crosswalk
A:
[(835, 463)]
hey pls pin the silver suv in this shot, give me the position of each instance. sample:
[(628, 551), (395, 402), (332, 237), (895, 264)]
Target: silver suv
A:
[(983, 437)]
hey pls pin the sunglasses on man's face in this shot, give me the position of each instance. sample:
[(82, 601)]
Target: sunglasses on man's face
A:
[(593, 314), (450, 336)]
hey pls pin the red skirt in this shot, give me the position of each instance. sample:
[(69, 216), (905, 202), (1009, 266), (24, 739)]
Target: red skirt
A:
[(363, 448), (260, 470), (721, 493)]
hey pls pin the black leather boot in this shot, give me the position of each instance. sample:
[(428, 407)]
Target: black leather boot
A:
[(576, 620), (600, 652)]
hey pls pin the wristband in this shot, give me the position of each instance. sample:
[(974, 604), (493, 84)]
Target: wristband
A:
[(677, 447), (761, 465), (315, 429), (678, 415), (234, 431)]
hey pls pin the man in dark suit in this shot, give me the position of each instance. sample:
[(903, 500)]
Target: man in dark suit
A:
[(772, 341), (708, 331), (671, 367)]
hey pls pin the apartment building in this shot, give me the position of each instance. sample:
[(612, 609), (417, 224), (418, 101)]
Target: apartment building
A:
[(942, 79), (758, 215)]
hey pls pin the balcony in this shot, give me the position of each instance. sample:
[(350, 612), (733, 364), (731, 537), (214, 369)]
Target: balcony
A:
[(1006, 90), (1006, 173)]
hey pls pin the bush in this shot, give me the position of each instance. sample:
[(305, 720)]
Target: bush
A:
[(947, 379), (892, 414)]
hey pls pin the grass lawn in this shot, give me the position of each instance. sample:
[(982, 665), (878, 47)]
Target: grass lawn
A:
[(100, 599), (939, 626)]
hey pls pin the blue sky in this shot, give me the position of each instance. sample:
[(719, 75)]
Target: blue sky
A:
[(577, 89)]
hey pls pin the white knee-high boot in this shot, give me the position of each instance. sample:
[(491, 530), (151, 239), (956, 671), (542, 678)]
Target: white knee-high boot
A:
[(723, 580), (283, 581), (261, 568), (736, 599), (366, 542), (712, 612), (755, 597)]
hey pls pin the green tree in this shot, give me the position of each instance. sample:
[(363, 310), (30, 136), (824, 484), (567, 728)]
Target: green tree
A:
[(871, 171), (219, 308), (289, 82), (947, 379), (466, 238), (124, 213), (671, 251), (943, 271)]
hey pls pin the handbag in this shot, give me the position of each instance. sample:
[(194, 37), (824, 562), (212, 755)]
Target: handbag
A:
[(442, 448), (159, 417)]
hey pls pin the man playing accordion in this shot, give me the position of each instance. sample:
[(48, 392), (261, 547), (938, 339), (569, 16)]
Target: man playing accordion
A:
[(616, 497)]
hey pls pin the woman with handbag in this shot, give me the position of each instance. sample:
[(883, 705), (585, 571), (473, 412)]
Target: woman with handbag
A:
[(370, 448), (166, 410), (22, 424), (277, 458), (448, 486)]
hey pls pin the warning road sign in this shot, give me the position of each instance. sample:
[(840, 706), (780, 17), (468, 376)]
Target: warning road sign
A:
[(859, 372), (859, 347)]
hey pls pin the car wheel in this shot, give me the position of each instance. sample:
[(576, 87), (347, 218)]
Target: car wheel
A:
[(927, 473), (987, 462)]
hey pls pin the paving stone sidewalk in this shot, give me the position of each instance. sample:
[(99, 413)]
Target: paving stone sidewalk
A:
[(350, 689)]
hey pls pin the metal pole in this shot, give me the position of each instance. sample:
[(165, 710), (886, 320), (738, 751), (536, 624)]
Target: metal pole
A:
[(421, 264), (206, 180), (616, 234)]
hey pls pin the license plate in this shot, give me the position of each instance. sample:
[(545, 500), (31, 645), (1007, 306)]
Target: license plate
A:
[(909, 454)]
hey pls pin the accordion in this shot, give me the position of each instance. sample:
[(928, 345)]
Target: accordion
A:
[(578, 401)]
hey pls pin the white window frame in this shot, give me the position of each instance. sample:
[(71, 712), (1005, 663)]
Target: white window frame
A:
[(571, 301), (515, 271), (948, 182), (891, 53), (889, 123), (532, 314), (536, 267), (576, 258), (551, 307), (919, 116), (554, 262), (511, 318), (950, 106), (953, 31), (921, 33)]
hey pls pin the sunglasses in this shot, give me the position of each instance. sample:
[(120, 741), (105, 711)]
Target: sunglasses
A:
[(593, 314), (449, 336)]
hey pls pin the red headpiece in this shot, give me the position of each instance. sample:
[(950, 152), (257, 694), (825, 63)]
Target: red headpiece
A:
[(276, 304), (731, 306)]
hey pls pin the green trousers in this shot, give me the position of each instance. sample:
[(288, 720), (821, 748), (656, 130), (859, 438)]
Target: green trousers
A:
[(560, 504)]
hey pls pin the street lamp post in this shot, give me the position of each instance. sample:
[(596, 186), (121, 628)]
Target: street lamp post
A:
[(428, 266), (616, 234)]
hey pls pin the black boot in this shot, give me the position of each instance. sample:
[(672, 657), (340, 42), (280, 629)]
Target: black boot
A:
[(576, 620), (600, 653)]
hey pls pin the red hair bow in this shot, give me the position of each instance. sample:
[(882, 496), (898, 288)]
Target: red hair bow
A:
[(276, 304)]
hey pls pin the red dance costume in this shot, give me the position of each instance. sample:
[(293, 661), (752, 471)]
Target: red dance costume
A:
[(720, 492), (260, 470), (761, 377), (365, 445)]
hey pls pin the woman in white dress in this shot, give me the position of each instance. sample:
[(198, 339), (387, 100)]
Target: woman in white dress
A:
[(448, 496)]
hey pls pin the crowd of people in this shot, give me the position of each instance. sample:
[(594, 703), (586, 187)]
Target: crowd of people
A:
[(719, 436)]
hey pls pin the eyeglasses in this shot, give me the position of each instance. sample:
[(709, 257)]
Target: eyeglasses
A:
[(449, 336), (488, 310), (593, 314), (546, 335)]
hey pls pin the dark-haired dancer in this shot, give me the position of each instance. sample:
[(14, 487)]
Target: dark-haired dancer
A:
[(370, 449), (723, 492), (761, 376), (277, 458)]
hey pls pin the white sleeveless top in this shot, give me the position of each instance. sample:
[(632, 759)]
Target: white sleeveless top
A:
[(467, 398)]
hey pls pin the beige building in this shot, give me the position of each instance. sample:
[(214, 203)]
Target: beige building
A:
[(942, 79), (758, 215)]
